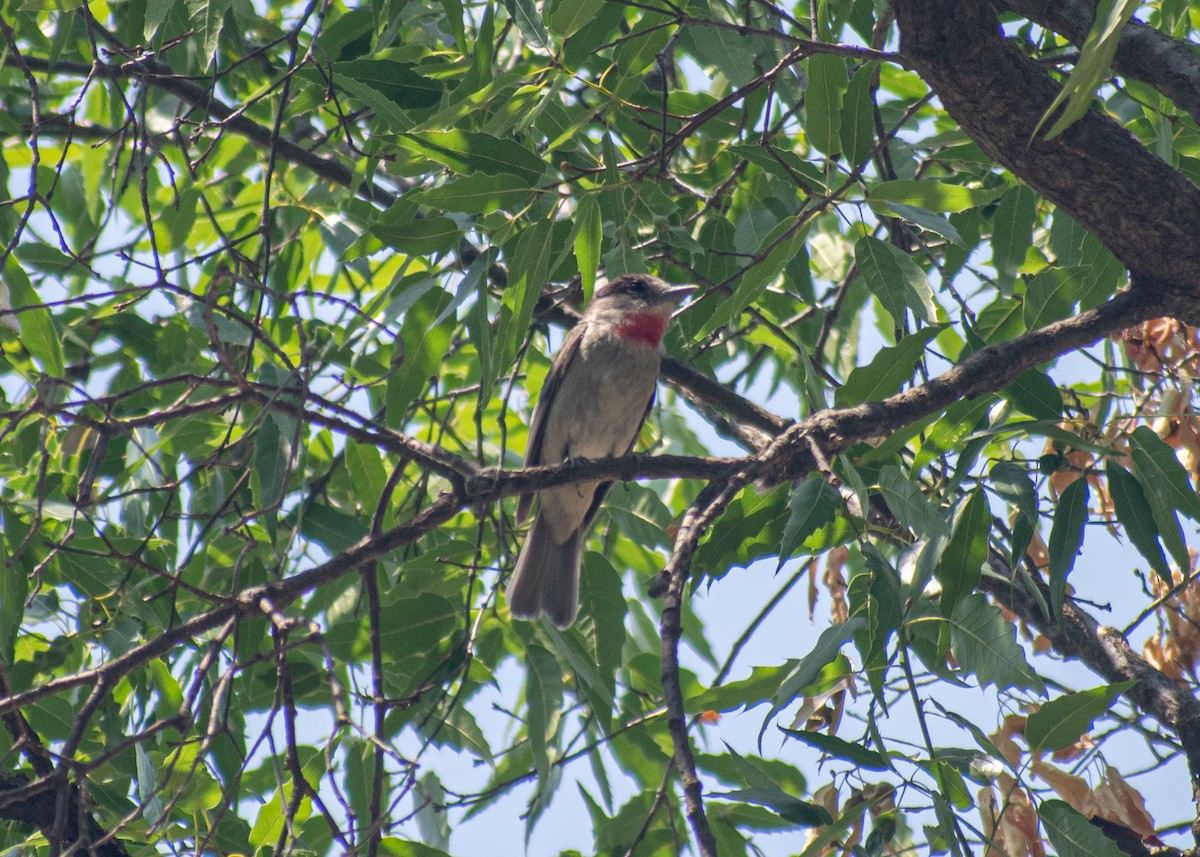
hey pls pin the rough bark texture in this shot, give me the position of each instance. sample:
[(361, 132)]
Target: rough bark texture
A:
[(1144, 211)]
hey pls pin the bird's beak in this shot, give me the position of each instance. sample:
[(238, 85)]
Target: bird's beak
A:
[(678, 294)]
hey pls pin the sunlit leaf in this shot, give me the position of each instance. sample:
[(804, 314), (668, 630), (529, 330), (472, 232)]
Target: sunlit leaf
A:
[(960, 567), (1094, 61), (1061, 722), (932, 195), (1136, 516), (983, 644), (1072, 834), (1066, 537), (812, 505), (887, 371), (895, 280), (827, 83)]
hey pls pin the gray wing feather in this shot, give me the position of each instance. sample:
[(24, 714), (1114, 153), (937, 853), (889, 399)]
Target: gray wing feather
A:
[(558, 370)]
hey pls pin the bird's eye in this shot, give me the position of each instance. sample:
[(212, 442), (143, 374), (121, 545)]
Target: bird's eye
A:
[(638, 287)]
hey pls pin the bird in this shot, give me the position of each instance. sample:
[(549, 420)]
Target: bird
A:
[(598, 393)]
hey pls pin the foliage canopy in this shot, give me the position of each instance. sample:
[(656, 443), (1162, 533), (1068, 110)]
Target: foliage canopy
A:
[(276, 280)]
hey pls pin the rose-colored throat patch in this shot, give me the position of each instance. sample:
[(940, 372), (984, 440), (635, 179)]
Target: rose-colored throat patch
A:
[(644, 327)]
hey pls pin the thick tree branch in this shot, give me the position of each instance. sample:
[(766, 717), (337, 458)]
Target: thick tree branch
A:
[(1106, 652), (1145, 212), (984, 371)]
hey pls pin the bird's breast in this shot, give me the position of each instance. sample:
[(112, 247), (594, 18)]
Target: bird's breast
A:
[(601, 402)]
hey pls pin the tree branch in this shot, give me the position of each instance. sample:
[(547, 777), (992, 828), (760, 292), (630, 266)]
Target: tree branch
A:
[(1107, 653), (164, 78)]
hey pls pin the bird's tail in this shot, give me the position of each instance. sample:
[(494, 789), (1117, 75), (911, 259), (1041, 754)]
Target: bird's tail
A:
[(546, 577)]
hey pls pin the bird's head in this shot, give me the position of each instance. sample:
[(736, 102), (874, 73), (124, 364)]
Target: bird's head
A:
[(639, 305)]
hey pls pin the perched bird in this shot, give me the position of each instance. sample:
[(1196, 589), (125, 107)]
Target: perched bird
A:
[(596, 397)]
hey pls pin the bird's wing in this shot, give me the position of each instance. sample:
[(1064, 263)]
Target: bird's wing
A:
[(558, 370)]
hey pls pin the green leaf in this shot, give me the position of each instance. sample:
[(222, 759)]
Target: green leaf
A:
[(763, 790), (783, 163), (415, 632), (932, 195), (602, 621), (910, 505), (1095, 58), (1000, 320), (1066, 538), (798, 812), (895, 279), (330, 528), (827, 83), (876, 595), (858, 116), (207, 18), (528, 272), (887, 371), (759, 687), (170, 696), (734, 54), (813, 505), (479, 193), (1012, 234), (37, 333), (570, 16), (962, 561), (639, 49), (454, 18), (398, 82), (1156, 465), (871, 760), (1061, 722), (469, 152), (45, 258), (1035, 394), (1136, 516), (588, 237), (777, 249), (156, 14), (420, 237), (958, 420), (950, 784), (823, 653), (270, 821), (751, 527), (430, 797), (543, 700), (14, 590), (927, 220), (148, 784), (367, 472), (418, 353), (1050, 296), (525, 15), (268, 477), (391, 846), (1071, 834), (1012, 482), (983, 644)]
